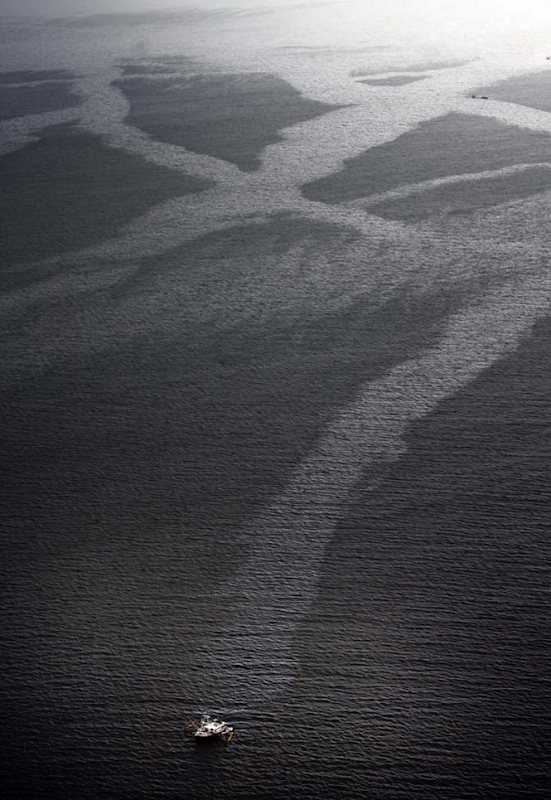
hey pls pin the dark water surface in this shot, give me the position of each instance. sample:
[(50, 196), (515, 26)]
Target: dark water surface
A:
[(34, 98), (436, 592), (67, 190), (528, 90), (35, 75), (265, 456), (397, 80), (466, 196), (452, 145), (233, 117)]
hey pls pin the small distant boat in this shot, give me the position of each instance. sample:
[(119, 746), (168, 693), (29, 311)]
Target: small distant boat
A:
[(209, 728)]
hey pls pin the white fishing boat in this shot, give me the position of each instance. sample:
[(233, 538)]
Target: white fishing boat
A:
[(208, 728)]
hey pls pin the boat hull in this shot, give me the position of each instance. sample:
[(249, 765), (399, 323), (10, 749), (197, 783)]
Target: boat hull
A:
[(210, 739)]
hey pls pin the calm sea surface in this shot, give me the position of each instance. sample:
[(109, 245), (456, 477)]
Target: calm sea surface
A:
[(276, 393)]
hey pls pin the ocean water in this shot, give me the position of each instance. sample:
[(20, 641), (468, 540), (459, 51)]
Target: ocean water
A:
[(275, 411)]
